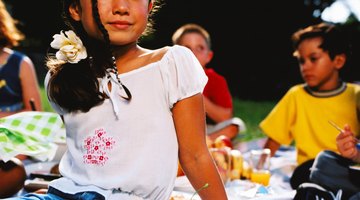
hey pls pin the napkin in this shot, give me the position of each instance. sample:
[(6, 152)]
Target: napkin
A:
[(30, 133)]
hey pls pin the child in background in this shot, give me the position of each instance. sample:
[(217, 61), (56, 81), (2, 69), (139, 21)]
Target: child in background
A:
[(302, 115), (18, 86), (18, 81), (217, 96), (129, 112)]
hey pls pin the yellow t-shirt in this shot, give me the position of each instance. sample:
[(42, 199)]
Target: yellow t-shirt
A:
[(303, 118)]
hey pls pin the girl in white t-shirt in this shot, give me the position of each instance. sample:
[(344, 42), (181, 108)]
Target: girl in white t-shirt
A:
[(129, 112)]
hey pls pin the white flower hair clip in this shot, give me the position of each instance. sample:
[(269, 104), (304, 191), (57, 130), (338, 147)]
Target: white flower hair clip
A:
[(71, 48)]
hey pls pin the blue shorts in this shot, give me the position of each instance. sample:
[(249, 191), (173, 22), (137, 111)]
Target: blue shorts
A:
[(54, 194)]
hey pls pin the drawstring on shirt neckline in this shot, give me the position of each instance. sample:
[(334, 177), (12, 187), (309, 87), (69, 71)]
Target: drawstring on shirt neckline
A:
[(116, 90)]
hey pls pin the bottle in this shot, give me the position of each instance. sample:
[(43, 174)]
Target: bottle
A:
[(236, 164)]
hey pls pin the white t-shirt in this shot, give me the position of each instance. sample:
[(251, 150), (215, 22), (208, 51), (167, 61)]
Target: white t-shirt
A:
[(137, 152)]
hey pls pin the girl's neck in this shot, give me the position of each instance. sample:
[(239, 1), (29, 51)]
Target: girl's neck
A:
[(129, 57), (125, 50)]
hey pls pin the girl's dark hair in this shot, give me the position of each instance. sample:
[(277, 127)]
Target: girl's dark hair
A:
[(75, 87), (334, 40)]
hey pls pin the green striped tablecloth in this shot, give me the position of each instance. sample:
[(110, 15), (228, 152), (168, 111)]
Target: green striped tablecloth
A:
[(31, 133)]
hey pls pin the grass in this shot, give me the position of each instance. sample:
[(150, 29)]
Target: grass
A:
[(251, 112), (45, 103)]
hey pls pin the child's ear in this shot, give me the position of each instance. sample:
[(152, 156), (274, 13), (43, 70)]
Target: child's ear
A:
[(340, 60), (210, 56), (74, 10)]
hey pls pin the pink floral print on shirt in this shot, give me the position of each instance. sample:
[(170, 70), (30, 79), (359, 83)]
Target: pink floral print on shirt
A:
[(96, 147)]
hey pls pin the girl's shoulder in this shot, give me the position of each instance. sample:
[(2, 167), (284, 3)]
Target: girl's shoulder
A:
[(164, 57), (11, 52), (158, 54), (11, 57), (164, 52)]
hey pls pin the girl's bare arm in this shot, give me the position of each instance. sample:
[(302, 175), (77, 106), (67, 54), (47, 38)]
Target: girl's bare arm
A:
[(194, 156)]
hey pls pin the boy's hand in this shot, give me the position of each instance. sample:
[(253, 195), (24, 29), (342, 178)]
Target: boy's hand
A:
[(346, 144)]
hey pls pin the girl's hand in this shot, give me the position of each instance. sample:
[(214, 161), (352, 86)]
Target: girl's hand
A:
[(346, 144)]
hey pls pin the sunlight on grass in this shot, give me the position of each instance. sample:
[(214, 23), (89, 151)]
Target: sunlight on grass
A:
[(252, 113), (45, 103)]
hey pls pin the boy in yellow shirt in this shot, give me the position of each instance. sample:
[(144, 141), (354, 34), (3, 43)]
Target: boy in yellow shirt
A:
[(302, 115)]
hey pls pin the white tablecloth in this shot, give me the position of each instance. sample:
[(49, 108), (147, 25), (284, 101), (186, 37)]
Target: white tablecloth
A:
[(282, 166)]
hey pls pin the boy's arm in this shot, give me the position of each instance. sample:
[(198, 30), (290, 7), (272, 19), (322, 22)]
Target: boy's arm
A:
[(230, 131), (217, 113), (272, 145)]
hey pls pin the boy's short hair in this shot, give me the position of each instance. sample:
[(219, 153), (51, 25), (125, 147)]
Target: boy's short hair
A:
[(334, 40), (191, 28)]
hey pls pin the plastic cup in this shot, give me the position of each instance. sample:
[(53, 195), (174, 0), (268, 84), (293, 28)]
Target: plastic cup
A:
[(260, 166)]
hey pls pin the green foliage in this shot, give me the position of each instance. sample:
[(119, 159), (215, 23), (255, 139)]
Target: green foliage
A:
[(45, 103), (252, 113)]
